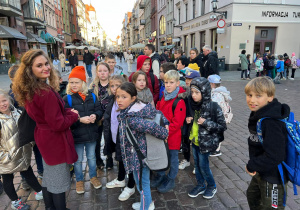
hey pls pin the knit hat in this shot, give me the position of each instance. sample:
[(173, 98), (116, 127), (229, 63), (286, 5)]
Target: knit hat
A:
[(191, 74), (214, 79), (293, 54), (194, 66), (195, 87), (78, 72)]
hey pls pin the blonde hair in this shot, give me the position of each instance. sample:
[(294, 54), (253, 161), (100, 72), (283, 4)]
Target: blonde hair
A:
[(261, 85), (7, 96), (118, 78), (95, 84), (84, 89), (27, 83), (172, 74)]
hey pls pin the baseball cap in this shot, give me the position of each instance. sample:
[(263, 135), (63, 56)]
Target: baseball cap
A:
[(191, 74), (214, 78)]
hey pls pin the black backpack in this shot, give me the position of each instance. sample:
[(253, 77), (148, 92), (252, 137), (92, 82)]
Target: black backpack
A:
[(271, 63)]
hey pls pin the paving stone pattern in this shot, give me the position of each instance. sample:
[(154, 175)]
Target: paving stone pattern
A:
[(228, 169)]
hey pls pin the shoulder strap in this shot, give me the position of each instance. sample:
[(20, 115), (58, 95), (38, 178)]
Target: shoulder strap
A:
[(69, 100), (213, 108), (94, 97), (152, 80), (175, 104)]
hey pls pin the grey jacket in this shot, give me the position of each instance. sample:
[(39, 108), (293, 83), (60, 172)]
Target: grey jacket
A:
[(12, 158)]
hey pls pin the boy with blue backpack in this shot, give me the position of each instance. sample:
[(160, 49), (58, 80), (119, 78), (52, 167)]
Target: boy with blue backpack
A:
[(267, 145)]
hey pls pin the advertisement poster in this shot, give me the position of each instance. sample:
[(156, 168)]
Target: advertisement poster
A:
[(38, 9)]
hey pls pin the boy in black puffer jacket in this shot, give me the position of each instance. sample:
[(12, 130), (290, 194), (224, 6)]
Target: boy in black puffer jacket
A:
[(85, 130), (265, 157)]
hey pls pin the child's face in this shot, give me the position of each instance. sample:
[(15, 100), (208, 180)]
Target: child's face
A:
[(102, 73), (140, 83), (196, 95), (124, 99), (111, 63), (256, 101), (188, 82), (212, 85), (180, 66), (75, 84), (113, 85), (171, 85), (4, 104), (146, 66), (161, 74)]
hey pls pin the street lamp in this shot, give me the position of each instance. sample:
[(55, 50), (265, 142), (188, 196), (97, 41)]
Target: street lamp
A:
[(215, 7), (174, 20)]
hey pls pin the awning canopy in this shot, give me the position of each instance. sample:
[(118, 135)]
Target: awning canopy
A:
[(47, 37), (168, 47), (34, 38), (137, 46), (58, 39), (10, 33)]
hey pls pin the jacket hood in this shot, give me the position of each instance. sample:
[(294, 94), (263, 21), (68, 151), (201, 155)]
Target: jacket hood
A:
[(139, 109), (140, 61), (213, 54), (204, 87), (274, 110), (222, 90), (184, 92)]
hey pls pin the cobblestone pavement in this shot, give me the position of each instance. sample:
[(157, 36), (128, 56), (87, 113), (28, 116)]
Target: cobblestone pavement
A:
[(228, 169)]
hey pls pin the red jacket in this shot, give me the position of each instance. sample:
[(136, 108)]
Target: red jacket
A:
[(52, 133), (176, 120)]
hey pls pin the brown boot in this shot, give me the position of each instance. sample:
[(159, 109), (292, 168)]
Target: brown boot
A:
[(80, 187), (95, 182)]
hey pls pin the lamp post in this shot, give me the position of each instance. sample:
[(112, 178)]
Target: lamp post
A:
[(215, 7), (174, 20)]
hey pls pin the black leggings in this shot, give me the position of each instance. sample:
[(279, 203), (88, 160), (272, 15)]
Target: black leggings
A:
[(30, 178), (186, 148), (293, 73), (122, 173)]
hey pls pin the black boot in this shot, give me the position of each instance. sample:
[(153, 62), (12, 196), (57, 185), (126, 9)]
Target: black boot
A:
[(59, 201), (48, 199)]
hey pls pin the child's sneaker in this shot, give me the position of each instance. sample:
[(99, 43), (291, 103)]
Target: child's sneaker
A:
[(137, 206), (95, 182), (184, 163), (80, 187), (115, 183), (210, 192), (19, 205), (198, 190), (194, 171), (39, 196), (127, 192), (24, 185), (215, 153)]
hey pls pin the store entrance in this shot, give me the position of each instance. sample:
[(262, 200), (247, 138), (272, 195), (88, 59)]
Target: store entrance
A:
[(264, 40)]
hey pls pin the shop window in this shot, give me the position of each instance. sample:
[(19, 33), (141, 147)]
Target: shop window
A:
[(214, 39), (162, 25)]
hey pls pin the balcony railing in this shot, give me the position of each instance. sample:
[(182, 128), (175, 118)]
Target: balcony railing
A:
[(10, 8)]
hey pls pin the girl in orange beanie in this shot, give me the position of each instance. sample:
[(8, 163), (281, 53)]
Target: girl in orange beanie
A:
[(85, 131)]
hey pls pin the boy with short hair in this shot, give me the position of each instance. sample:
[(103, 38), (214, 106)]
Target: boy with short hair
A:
[(165, 183), (265, 157), (111, 61), (164, 68)]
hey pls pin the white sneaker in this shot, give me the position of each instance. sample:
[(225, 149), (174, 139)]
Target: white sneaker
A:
[(115, 183), (291, 78), (127, 192), (39, 196), (194, 171), (184, 163), (136, 206)]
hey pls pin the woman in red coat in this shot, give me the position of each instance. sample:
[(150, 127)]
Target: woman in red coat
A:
[(36, 91)]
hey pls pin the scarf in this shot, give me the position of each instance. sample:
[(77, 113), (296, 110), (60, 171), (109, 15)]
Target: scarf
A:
[(80, 94), (196, 106), (145, 95), (170, 96)]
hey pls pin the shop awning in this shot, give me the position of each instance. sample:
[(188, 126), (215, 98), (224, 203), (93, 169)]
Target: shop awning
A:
[(10, 33), (48, 37), (34, 38), (58, 39)]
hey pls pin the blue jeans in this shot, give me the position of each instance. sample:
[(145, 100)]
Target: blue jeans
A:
[(91, 158), (89, 70), (269, 73), (174, 164), (203, 172), (146, 198)]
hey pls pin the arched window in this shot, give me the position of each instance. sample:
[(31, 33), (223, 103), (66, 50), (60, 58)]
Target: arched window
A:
[(162, 25)]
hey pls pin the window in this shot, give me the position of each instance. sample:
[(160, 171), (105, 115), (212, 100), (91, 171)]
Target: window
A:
[(179, 15), (192, 40), (73, 28), (72, 9), (186, 12), (202, 39), (202, 7), (194, 8), (162, 25)]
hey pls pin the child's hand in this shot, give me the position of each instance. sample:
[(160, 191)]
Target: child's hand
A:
[(166, 140), (251, 174), (85, 120), (189, 120), (93, 118), (167, 127), (201, 120)]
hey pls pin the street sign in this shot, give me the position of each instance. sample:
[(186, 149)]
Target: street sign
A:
[(237, 24), (221, 23)]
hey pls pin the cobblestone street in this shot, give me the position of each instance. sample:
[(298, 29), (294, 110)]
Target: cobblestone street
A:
[(228, 169)]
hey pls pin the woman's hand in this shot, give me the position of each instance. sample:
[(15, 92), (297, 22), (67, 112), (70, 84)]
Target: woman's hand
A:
[(251, 174), (189, 120), (85, 120), (201, 121)]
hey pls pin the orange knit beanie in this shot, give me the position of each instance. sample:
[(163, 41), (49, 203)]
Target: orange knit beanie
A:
[(78, 72)]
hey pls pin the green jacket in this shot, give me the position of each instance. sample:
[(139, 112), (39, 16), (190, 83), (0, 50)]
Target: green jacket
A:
[(244, 62)]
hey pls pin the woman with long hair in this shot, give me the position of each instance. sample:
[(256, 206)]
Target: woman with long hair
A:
[(36, 91)]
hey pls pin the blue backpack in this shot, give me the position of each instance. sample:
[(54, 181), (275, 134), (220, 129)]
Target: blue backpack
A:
[(70, 99), (292, 163)]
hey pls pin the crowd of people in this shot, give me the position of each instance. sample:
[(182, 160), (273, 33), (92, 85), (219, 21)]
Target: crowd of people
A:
[(68, 119)]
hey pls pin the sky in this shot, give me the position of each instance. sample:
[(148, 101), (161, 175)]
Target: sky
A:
[(110, 14)]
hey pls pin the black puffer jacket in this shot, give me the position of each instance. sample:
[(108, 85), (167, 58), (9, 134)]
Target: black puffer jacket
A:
[(198, 61), (110, 146), (209, 131), (210, 64), (88, 58), (84, 133)]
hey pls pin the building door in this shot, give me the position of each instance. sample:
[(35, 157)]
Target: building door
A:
[(264, 40)]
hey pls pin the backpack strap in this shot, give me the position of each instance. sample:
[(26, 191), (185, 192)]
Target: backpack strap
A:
[(94, 97), (69, 100), (152, 79), (175, 104)]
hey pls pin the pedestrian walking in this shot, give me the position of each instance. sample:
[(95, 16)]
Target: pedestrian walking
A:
[(244, 64), (294, 66), (96, 55), (88, 59), (129, 60), (53, 136), (62, 59), (73, 59)]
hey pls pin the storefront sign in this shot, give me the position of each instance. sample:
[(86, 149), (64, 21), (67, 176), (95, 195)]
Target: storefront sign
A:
[(274, 14), (296, 14), (237, 24)]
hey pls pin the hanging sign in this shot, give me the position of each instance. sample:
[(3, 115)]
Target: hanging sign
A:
[(221, 23)]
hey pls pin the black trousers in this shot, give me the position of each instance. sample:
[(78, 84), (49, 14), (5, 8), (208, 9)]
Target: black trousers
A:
[(186, 148), (30, 178), (293, 73), (122, 173)]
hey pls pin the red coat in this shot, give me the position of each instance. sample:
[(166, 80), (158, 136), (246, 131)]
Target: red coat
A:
[(52, 133), (176, 120), (155, 91)]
